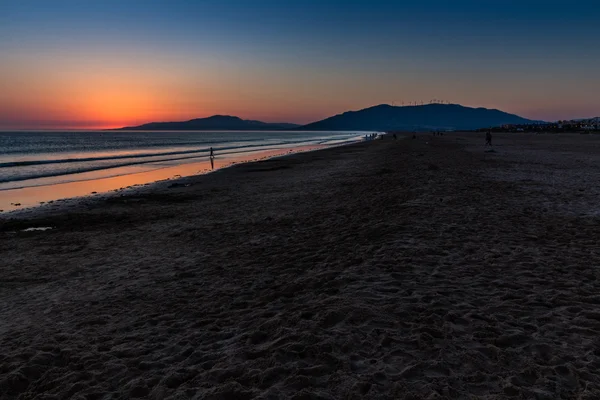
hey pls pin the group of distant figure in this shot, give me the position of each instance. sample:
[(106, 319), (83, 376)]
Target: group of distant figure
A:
[(488, 136), (371, 136)]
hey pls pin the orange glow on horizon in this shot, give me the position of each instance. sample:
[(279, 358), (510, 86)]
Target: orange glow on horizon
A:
[(105, 91), (82, 91)]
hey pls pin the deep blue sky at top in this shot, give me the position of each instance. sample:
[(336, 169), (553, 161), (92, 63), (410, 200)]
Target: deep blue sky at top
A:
[(537, 58)]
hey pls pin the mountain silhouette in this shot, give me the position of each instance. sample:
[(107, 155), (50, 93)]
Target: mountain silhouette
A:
[(378, 118), (216, 122), (416, 118)]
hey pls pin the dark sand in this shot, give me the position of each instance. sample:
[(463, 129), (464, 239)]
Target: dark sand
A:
[(389, 269)]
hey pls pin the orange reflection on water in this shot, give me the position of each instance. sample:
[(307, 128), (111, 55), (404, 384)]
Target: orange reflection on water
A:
[(36, 195)]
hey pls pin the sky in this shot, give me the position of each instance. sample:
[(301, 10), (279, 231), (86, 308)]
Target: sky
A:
[(72, 64)]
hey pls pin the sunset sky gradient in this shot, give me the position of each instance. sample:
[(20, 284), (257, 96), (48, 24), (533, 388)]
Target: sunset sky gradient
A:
[(100, 64)]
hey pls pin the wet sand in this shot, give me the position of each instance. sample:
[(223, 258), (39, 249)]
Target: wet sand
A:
[(47, 190), (417, 269)]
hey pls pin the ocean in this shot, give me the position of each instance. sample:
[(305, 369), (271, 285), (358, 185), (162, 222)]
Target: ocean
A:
[(46, 158)]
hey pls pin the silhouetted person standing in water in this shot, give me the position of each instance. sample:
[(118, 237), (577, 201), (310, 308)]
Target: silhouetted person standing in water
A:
[(488, 138), (212, 158)]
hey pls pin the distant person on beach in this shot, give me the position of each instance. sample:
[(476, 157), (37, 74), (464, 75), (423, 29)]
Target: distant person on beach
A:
[(395, 137), (488, 138), (212, 158)]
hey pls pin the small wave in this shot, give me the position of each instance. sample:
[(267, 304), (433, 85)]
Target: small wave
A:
[(121, 145), (14, 164)]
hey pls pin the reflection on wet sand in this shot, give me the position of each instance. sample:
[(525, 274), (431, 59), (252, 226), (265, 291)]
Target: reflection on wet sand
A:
[(13, 199)]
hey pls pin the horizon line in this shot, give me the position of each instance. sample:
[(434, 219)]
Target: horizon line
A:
[(434, 102)]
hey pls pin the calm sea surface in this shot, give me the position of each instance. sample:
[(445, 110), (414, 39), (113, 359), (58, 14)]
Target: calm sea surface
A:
[(44, 158)]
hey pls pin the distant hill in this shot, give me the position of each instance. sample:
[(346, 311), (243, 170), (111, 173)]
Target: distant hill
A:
[(416, 118), (378, 118), (216, 122)]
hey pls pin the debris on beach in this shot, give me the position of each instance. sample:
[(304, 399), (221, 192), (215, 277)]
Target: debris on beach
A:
[(40, 228)]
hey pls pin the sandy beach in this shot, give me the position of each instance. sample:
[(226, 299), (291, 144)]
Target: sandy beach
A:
[(407, 269)]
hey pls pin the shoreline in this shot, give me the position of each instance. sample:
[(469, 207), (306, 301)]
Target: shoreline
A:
[(423, 268), (46, 201)]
